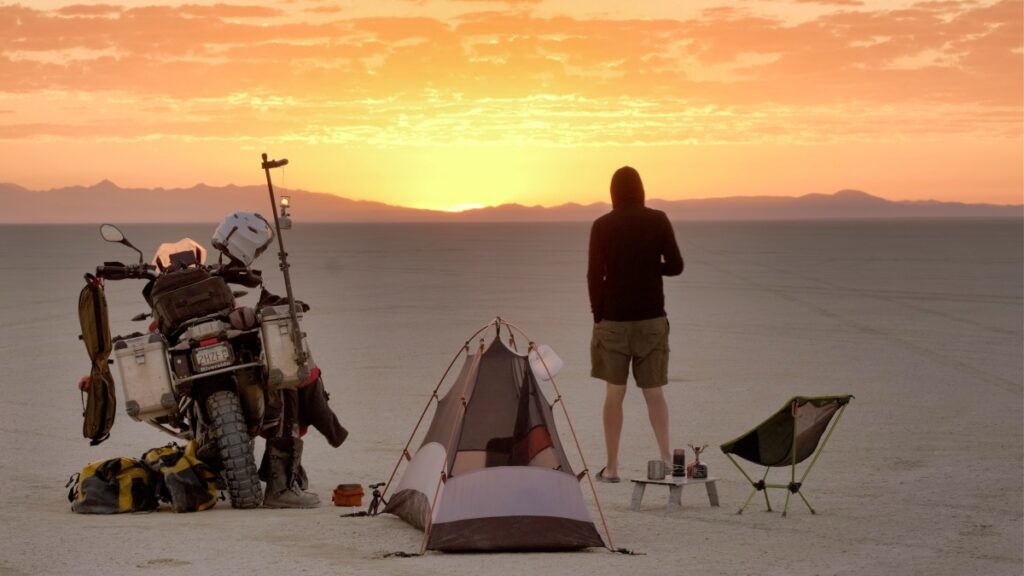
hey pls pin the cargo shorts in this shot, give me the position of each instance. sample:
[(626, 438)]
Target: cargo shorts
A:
[(642, 343)]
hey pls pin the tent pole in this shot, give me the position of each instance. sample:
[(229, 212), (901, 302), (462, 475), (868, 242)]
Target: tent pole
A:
[(433, 396), (572, 429), (444, 470), (430, 517), (463, 402)]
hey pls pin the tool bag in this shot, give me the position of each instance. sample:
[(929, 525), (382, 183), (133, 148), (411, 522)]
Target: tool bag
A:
[(186, 482), (185, 294), (113, 486), (99, 409)]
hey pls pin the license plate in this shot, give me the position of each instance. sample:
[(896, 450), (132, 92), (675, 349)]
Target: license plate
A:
[(212, 357)]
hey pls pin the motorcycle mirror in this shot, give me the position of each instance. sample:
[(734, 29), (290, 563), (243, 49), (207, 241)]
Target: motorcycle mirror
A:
[(140, 317), (112, 233)]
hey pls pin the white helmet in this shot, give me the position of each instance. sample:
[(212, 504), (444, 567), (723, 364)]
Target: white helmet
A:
[(243, 236)]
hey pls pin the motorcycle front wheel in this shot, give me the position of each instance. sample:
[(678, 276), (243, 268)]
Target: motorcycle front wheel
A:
[(235, 446)]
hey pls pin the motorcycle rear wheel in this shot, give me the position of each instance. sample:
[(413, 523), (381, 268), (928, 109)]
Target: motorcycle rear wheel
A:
[(236, 449)]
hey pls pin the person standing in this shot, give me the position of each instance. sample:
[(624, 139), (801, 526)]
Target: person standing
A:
[(631, 248)]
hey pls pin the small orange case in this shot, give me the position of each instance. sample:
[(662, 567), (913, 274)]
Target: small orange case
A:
[(348, 495)]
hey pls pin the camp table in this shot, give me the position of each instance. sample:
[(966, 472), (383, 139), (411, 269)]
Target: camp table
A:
[(675, 490)]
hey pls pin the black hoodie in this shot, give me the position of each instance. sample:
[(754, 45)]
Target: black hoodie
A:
[(631, 248)]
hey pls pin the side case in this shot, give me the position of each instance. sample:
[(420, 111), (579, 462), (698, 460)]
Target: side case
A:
[(145, 377), (278, 349)]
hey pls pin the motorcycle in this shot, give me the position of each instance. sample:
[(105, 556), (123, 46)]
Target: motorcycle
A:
[(208, 370)]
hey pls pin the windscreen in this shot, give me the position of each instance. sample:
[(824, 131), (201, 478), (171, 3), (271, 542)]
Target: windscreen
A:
[(162, 259)]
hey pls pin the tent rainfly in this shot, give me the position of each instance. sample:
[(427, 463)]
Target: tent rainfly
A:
[(491, 473)]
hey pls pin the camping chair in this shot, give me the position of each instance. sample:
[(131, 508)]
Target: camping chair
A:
[(787, 438)]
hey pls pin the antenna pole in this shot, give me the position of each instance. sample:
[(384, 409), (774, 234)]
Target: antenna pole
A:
[(300, 354)]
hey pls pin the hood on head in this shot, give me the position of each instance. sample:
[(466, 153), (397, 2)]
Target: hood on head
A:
[(627, 188)]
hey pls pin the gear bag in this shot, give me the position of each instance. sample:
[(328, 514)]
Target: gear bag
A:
[(113, 486), (186, 294), (99, 409), (187, 483)]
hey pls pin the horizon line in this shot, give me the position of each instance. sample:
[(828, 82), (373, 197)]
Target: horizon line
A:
[(508, 204)]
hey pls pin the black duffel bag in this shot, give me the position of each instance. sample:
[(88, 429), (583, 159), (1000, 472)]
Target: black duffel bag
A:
[(185, 294)]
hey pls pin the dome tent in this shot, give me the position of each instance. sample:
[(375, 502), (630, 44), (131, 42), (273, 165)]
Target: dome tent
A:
[(491, 473)]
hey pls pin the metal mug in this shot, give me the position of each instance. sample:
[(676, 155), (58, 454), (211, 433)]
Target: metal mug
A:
[(655, 470)]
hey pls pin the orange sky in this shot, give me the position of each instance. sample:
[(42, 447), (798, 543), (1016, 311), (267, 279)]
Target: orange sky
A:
[(454, 103)]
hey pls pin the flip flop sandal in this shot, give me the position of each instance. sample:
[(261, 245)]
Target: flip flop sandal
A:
[(609, 479)]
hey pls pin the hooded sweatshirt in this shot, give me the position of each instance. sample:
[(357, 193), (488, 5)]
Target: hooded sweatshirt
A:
[(631, 248)]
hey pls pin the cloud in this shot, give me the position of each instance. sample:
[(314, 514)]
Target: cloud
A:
[(848, 54), (89, 10), (725, 75), (831, 2), (324, 9), (945, 5), (509, 2), (229, 11)]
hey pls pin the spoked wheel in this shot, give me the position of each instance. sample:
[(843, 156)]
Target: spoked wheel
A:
[(235, 447)]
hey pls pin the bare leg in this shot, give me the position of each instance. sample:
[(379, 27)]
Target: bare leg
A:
[(614, 394), (657, 411)]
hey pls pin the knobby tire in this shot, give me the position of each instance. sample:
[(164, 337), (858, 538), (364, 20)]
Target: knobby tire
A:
[(236, 450)]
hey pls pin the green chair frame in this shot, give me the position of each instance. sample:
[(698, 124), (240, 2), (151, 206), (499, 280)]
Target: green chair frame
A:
[(794, 486)]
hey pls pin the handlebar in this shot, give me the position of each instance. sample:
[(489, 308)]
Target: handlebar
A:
[(248, 277), (118, 271)]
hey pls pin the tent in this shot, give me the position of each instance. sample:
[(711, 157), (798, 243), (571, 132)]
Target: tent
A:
[(491, 473)]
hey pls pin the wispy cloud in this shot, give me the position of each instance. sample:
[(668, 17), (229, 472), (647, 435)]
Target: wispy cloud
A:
[(90, 10), (228, 71), (508, 2), (832, 2), (324, 9)]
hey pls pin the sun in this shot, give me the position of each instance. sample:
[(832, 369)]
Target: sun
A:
[(462, 207)]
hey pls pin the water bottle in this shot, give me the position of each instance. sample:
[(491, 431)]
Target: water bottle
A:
[(679, 463)]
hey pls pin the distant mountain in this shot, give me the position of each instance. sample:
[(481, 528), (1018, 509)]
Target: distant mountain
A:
[(853, 204), (105, 201)]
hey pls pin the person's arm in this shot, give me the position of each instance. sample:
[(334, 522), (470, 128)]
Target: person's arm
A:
[(595, 273), (672, 264)]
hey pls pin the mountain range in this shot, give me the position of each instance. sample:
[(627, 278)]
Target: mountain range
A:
[(106, 201)]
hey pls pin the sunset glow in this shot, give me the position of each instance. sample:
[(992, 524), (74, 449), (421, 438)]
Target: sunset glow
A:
[(451, 104)]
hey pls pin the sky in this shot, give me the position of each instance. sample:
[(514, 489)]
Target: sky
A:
[(450, 104)]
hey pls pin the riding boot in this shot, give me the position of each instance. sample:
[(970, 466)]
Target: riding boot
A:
[(301, 479), (264, 472), (283, 490), (298, 473)]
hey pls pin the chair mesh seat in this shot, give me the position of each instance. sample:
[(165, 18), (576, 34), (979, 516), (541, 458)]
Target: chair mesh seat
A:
[(794, 433)]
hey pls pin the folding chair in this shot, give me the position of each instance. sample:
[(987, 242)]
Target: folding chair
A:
[(787, 438)]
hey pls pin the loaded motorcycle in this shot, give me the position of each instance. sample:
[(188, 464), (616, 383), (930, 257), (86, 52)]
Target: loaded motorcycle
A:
[(209, 370)]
